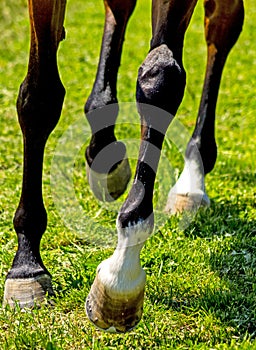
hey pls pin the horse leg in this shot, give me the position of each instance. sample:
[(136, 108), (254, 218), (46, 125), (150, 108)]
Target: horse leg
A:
[(223, 24), (115, 301), (108, 169), (39, 106)]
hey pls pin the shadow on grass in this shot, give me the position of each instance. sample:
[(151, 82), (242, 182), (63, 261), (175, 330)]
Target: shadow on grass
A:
[(232, 259), (234, 263)]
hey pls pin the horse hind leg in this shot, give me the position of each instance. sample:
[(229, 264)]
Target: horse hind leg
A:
[(39, 106), (108, 169), (223, 24)]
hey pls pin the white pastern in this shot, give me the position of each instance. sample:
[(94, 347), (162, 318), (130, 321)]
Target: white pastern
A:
[(189, 191), (122, 273), (191, 181)]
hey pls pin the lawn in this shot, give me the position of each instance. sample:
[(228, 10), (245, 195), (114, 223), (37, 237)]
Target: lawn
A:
[(201, 271)]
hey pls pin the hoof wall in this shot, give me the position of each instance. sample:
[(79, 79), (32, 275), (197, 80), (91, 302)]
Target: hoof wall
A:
[(112, 323), (27, 292), (108, 187), (178, 203), (113, 314)]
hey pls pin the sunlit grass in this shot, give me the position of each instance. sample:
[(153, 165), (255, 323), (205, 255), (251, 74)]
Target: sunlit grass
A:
[(201, 286)]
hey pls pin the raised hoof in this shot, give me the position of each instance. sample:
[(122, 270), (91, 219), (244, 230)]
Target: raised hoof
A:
[(108, 187), (115, 313), (178, 203), (27, 292)]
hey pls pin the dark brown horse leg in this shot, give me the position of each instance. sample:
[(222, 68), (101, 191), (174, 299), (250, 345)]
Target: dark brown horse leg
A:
[(115, 301), (223, 24), (39, 106), (108, 170)]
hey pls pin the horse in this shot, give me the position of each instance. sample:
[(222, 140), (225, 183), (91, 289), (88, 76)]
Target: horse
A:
[(115, 301)]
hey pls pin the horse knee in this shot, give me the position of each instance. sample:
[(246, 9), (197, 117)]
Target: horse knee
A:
[(39, 106), (161, 80)]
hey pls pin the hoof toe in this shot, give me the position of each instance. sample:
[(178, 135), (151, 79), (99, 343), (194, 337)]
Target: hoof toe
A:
[(115, 314), (27, 292), (178, 203)]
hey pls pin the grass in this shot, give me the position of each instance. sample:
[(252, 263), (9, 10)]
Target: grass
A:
[(201, 286)]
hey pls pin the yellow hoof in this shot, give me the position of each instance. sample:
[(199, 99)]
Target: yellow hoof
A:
[(27, 292)]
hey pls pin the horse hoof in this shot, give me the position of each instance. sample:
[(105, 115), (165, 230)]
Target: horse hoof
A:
[(112, 312), (108, 187), (27, 292), (178, 203)]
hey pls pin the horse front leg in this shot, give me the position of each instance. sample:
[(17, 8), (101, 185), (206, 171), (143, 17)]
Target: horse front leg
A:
[(39, 106), (115, 301), (108, 169), (223, 24)]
